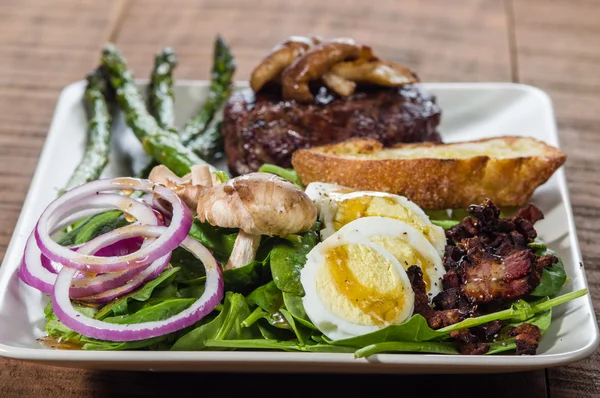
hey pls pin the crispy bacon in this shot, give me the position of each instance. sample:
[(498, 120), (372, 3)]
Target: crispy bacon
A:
[(489, 256), (435, 318), (527, 338)]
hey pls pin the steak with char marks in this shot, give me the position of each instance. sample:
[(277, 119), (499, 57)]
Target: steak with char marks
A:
[(263, 128)]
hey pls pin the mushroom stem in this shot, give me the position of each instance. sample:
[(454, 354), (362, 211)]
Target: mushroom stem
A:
[(244, 250)]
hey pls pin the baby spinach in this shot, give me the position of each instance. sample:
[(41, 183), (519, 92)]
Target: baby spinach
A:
[(272, 333), (288, 259), (226, 325), (541, 320), (243, 279), (238, 280), (158, 312), (295, 306), (413, 330), (55, 328), (191, 291), (286, 174), (190, 266), (103, 345), (445, 224), (553, 278), (214, 238), (407, 346), (255, 316), (94, 226), (267, 297), (417, 330), (262, 344), (119, 306), (301, 334), (537, 244)]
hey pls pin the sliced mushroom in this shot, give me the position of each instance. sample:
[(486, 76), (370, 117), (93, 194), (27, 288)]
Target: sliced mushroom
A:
[(338, 85), (381, 73), (313, 65), (279, 59), (189, 187), (258, 204)]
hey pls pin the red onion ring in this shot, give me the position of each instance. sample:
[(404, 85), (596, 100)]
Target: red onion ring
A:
[(34, 269), (167, 242), (94, 328)]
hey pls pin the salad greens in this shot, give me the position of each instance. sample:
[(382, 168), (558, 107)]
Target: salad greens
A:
[(286, 174), (288, 258), (263, 306)]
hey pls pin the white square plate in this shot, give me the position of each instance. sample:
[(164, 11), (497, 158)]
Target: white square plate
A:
[(471, 111)]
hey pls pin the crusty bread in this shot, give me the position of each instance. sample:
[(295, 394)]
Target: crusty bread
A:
[(436, 176)]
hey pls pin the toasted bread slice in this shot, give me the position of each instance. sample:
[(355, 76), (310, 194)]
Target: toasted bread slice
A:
[(436, 176)]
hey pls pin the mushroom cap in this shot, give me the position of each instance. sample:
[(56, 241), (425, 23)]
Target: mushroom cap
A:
[(258, 204)]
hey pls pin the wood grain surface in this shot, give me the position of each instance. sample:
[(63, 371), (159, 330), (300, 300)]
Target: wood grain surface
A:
[(554, 45)]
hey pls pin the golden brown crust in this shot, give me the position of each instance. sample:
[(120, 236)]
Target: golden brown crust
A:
[(432, 183)]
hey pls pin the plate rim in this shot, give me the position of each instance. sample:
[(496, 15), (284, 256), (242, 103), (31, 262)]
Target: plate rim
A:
[(491, 363)]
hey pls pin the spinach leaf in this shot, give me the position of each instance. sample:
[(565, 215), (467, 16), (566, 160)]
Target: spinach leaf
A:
[(301, 334), (213, 238), (537, 244), (119, 306), (226, 325), (286, 174), (507, 343), (272, 333), (413, 330), (262, 344), (255, 316), (416, 329), (445, 224), (191, 291), (406, 346), (238, 280), (267, 297), (158, 312), (55, 328), (168, 291), (102, 345), (295, 306), (244, 279), (553, 278), (93, 227), (190, 266), (287, 260)]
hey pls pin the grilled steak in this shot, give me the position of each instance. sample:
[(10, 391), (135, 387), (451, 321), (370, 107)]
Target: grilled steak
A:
[(265, 129)]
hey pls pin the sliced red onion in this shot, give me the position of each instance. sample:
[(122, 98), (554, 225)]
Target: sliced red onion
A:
[(50, 265), (39, 271), (167, 242), (94, 328), (147, 274)]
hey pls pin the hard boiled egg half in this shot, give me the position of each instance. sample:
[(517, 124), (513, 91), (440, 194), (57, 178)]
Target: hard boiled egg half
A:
[(355, 281), (339, 206)]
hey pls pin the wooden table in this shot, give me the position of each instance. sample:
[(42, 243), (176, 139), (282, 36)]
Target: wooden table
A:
[(552, 44)]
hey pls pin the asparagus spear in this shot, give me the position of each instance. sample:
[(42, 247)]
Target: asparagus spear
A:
[(160, 91), (95, 157), (160, 97), (209, 144), (220, 88), (163, 145)]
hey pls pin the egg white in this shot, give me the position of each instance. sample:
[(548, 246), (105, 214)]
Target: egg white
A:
[(374, 227), (332, 325), (330, 197)]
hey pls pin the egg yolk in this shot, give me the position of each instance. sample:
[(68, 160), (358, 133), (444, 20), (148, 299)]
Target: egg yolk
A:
[(357, 283), (349, 210), (405, 254)]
